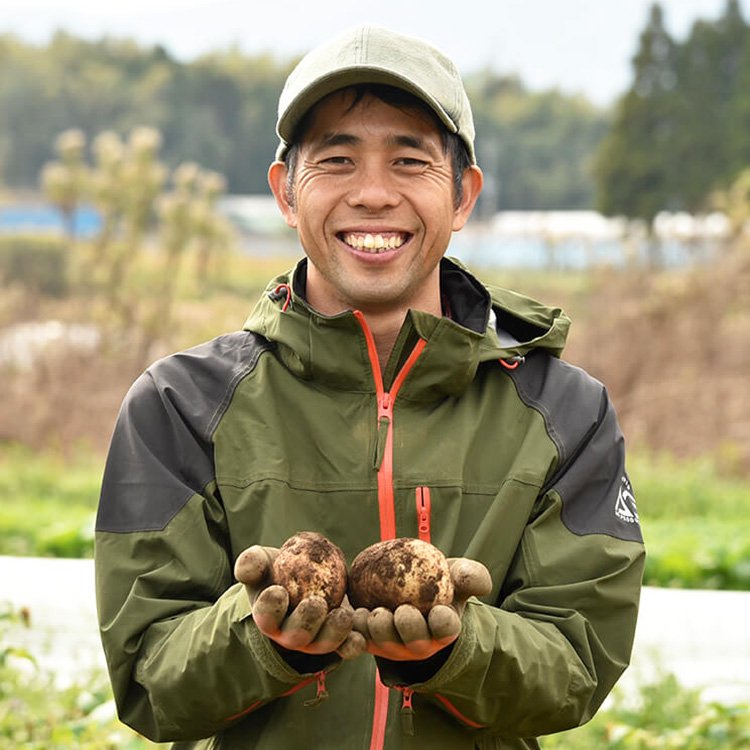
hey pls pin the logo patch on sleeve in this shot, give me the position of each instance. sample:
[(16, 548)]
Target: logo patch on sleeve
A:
[(625, 508)]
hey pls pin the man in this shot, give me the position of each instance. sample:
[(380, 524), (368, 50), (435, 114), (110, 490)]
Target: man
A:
[(377, 391)]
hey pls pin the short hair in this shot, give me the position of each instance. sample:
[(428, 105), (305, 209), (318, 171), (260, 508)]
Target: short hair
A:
[(453, 145)]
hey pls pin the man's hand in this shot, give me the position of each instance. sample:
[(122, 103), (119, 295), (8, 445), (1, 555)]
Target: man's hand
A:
[(406, 635), (309, 627)]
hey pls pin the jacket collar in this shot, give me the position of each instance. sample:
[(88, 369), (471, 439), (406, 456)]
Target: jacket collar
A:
[(332, 349)]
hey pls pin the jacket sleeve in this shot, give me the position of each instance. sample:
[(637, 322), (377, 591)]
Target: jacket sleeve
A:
[(545, 656), (184, 655)]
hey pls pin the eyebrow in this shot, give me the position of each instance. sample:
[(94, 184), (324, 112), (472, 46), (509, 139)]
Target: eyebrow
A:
[(347, 139), (409, 141), (339, 139)]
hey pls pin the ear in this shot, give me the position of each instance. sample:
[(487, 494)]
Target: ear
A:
[(277, 181), (472, 183)]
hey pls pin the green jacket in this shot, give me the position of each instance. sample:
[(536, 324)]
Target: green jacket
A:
[(477, 437)]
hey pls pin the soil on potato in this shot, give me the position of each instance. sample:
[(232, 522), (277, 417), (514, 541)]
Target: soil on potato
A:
[(313, 546), (314, 565), (392, 568)]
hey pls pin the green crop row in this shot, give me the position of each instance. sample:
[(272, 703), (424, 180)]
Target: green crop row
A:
[(49, 504), (673, 490), (698, 553)]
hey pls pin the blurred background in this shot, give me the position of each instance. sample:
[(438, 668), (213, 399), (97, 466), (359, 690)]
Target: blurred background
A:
[(135, 221)]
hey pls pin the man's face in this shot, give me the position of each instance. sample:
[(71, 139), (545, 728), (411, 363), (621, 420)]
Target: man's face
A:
[(373, 205)]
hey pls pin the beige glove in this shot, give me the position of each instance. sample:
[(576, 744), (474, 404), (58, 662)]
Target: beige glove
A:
[(309, 627), (406, 635)]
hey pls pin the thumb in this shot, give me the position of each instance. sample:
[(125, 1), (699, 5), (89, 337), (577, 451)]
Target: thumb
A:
[(253, 566), (470, 578)]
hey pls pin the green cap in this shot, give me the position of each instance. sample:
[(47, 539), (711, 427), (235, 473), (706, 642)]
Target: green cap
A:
[(372, 54)]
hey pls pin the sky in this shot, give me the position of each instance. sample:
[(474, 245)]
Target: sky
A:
[(577, 46)]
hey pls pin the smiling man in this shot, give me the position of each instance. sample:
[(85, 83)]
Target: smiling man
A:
[(378, 390)]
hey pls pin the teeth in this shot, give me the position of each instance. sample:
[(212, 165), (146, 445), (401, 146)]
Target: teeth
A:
[(374, 242)]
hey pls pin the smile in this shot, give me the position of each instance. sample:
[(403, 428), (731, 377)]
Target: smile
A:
[(374, 242)]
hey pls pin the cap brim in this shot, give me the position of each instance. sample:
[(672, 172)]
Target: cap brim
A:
[(342, 78)]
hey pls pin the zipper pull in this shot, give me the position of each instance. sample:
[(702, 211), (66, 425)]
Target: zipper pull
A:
[(407, 712), (423, 513), (383, 424), (321, 693), (385, 409)]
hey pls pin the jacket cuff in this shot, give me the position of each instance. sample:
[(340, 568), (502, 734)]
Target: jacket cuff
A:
[(462, 654), (262, 648), (286, 666)]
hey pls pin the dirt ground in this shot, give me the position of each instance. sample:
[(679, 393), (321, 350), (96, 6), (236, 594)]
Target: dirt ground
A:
[(673, 349)]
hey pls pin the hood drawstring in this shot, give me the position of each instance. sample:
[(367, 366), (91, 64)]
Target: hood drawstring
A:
[(282, 291), (512, 362)]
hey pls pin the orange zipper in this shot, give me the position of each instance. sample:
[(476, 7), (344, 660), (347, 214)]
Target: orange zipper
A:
[(423, 513), (386, 507), (321, 693), (407, 710), (385, 401), (452, 709)]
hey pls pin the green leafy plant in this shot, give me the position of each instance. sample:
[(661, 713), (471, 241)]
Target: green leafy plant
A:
[(664, 716), (38, 714)]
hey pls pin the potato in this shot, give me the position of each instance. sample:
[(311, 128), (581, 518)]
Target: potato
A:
[(308, 564), (400, 571)]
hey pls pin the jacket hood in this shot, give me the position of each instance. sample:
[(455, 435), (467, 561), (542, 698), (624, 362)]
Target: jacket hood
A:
[(481, 324)]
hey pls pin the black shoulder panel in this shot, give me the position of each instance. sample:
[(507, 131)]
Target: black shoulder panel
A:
[(590, 476), (161, 452)]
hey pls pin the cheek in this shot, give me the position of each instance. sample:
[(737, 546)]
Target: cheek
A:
[(315, 197), (439, 216)]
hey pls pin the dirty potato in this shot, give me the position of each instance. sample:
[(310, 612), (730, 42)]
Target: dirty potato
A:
[(400, 571), (308, 564)]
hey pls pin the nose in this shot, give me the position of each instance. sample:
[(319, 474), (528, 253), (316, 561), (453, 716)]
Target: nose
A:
[(373, 188)]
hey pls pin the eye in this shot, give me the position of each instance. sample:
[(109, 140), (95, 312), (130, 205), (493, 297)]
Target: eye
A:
[(411, 162), (336, 160)]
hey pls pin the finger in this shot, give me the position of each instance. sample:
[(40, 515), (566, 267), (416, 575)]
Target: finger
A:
[(470, 578), (354, 645), (269, 609), (360, 622), (413, 631), (336, 627), (444, 624), (381, 626), (303, 623), (253, 565)]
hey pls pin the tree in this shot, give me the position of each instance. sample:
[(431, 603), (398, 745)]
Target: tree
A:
[(129, 186), (220, 111), (680, 132), (709, 147), (635, 173), (534, 147), (64, 182)]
